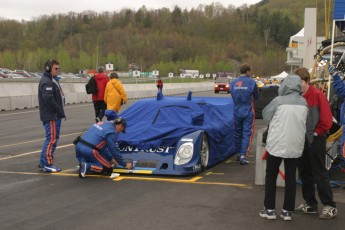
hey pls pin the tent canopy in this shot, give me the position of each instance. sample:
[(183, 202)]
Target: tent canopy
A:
[(280, 76)]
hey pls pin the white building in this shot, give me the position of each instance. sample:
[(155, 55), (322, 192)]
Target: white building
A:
[(303, 45)]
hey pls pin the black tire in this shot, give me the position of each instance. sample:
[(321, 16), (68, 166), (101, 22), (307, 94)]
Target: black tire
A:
[(204, 151), (216, 91)]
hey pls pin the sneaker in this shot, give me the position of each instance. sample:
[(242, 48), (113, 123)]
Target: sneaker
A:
[(268, 214), (114, 175), (243, 160), (51, 168), (82, 169), (285, 215), (306, 208), (328, 212)]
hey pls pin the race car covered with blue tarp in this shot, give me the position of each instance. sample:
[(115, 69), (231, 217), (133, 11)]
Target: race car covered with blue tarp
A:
[(177, 135)]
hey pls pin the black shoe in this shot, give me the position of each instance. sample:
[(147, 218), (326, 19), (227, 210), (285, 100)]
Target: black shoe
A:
[(306, 208), (285, 215)]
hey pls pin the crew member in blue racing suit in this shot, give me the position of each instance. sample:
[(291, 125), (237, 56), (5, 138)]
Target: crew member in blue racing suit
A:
[(97, 149), (244, 91), (339, 87)]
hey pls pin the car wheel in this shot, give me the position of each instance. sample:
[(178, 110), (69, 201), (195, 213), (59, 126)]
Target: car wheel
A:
[(204, 151), (216, 91)]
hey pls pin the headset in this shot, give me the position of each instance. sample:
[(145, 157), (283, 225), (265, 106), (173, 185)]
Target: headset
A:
[(48, 65)]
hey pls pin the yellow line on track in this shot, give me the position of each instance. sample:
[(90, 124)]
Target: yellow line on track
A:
[(29, 153), (193, 180), (51, 174)]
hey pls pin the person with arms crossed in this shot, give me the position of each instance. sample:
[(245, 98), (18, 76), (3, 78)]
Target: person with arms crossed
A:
[(312, 168), (51, 102), (244, 91)]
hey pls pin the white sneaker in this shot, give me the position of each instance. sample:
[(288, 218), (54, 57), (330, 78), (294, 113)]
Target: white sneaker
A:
[(328, 212), (114, 175)]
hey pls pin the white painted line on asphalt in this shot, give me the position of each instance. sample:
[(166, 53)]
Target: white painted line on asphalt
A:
[(29, 153), (25, 142), (36, 110)]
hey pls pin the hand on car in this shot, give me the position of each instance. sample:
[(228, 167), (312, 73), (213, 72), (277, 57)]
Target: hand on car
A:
[(113, 162), (129, 166)]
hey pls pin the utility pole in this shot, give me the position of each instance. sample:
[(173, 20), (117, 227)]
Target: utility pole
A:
[(97, 54)]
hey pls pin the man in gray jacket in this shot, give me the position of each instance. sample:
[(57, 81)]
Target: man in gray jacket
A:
[(287, 116)]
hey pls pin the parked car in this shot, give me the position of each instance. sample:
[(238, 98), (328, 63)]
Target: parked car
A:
[(222, 84), (177, 135), (23, 73)]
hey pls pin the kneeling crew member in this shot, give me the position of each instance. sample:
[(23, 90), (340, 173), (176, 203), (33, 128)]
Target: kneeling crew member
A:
[(98, 149)]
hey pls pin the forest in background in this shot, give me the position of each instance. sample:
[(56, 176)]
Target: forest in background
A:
[(210, 38)]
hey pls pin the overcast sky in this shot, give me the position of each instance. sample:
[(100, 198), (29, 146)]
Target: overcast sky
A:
[(30, 9)]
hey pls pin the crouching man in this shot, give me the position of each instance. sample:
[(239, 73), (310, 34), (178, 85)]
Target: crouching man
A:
[(97, 150)]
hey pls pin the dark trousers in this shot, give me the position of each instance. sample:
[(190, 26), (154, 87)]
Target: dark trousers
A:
[(312, 170), (100, 107), (272, 171)]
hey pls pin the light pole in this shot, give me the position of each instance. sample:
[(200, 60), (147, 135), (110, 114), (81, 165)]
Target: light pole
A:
[(97, 54)]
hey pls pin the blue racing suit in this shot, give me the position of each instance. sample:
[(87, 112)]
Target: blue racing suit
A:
[(339, 87), (103, 137), (244, 91)]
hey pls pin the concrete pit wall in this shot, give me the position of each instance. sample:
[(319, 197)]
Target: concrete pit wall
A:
[(22, 95)]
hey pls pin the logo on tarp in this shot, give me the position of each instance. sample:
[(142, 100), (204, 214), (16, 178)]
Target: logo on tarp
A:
[(151, 150)]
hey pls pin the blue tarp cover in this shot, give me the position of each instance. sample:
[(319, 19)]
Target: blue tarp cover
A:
[(152, 123)]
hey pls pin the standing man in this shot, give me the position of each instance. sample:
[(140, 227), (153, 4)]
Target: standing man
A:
[(51, 102), (98, 149), (244, 91), (98, 98), (312, 167), (159, 83), (339, 87), (115, 95)]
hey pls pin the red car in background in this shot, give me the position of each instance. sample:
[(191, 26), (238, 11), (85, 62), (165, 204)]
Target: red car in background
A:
[(222, 84)]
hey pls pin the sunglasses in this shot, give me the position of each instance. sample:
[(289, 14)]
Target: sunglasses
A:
[(57, 68)]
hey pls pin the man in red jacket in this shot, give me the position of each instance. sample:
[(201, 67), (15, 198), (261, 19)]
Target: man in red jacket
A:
[(312, 167), (98, 98)]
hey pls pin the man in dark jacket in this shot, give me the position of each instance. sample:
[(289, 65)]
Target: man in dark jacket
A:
[(51, 102), (98, 98)]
